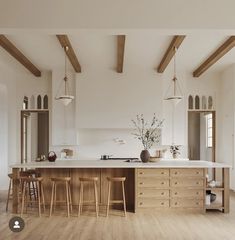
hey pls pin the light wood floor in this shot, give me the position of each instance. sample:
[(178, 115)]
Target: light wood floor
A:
[(151, 225)]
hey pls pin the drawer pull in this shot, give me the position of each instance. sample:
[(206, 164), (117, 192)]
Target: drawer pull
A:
[(176, 183), (162, 193), (141, 193), (141, 172), (176, 173), (141, 203), (197, 183), (197, 193), (176, 193), (176, 203), (162, 173), (141, 183), (162, 183), (162, 203), (197, 172), (197, 203)]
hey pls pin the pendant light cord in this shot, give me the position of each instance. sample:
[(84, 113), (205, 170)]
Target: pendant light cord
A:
[(65, 70)]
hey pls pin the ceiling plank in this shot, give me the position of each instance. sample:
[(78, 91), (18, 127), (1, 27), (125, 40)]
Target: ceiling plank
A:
[(214, 57), (169, 54), (64, 42), (120, 52), (18, 55)]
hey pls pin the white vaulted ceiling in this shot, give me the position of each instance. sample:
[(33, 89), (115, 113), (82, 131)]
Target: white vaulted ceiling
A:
[(97, 50)]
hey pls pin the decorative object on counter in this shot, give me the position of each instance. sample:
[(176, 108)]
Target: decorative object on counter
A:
[(105, 157), (148, 134), (175, 150), (52, 156), (66, 153), (154, 159), (163, 153), (65, 97), (211, 196)]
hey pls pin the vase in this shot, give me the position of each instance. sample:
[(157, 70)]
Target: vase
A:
[(144, 156)]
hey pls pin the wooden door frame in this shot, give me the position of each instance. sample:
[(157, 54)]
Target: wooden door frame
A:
[(21, 126)]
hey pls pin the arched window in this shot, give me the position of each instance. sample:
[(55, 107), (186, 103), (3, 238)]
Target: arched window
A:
[(210, 102), (197, 102), (39, 102), (190, 102), (25, 102), (32, 102), (204, 102), (45, 102)]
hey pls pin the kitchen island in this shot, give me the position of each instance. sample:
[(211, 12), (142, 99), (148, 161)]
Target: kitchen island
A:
[(162, 185)]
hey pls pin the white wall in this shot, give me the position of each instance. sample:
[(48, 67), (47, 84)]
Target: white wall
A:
[(226, 118), (18, 84), (107, 100)]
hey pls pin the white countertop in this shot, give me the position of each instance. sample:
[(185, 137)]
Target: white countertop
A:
[(120, 164)]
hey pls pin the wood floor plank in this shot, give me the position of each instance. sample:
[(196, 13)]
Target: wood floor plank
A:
[(151, 225)]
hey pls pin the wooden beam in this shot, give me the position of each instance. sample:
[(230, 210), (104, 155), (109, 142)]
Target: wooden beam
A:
[(18, 55), (120, 52), (214, 57), (64, 41), (175, 43)]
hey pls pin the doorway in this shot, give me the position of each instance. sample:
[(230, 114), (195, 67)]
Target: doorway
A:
[(34, 134), (201, 135)]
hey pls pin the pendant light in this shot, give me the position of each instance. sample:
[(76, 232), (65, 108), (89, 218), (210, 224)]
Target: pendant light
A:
[(65, 98), (174, 93)]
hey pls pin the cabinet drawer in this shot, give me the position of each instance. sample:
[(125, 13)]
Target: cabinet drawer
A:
[(144, 203), (152, 182), (186, 172), (181, 193), (153, 172), (149, 192), (186, 203), (187, 182)]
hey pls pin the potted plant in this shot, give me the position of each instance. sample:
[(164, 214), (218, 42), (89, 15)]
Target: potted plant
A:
[(175, 150), (148, 134)]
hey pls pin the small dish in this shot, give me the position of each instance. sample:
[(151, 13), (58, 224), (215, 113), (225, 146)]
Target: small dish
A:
[(154, 159)]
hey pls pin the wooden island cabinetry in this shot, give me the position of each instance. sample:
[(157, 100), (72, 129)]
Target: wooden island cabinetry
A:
[(163, 185)]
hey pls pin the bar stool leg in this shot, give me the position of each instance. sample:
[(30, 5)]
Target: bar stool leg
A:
[(108, 202), (43, 199), (55, 193), (96, 200), (52, 198), (23, 198), (124, 198), (80, 199), (39, 199), (67, 198), (70, 198), (8, 195)]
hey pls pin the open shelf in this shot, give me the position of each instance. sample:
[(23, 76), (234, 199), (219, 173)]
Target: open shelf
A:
[(215, 188)]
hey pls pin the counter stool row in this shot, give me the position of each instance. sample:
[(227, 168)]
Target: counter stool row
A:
[(33, 187)]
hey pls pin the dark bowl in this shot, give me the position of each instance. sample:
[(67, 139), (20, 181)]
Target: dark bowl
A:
[(212, 197)]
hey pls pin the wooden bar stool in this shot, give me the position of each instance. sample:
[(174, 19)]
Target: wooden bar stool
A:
[(10, 175), (9, 195), (26, 182), (68, 201), (111, 180), (93, 180)]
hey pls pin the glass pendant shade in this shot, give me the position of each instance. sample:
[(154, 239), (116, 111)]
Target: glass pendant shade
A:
[(174, 93), (65, 98)]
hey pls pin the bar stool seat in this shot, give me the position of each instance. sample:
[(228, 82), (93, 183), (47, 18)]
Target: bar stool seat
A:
[(109, 201), (94, 181), (26, 182), (68, 201)]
